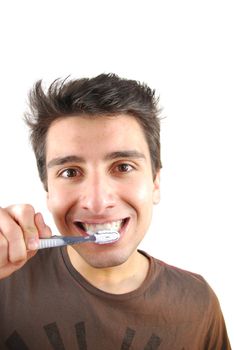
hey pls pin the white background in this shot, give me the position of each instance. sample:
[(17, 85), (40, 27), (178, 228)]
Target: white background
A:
[(183, 49)]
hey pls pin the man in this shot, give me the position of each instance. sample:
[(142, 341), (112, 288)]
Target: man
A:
[(97, 147)]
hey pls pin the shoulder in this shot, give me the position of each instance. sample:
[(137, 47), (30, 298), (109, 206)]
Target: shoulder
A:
[(183, 286), (177, 275), (187, 298)]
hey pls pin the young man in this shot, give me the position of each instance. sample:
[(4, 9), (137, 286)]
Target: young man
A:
[(97, 147)]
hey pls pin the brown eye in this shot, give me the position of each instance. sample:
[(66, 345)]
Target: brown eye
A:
[(124, 168), (69, 173)]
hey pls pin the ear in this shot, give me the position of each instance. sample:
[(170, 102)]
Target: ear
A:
[(156, 190)]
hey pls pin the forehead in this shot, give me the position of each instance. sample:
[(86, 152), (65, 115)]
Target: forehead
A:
[(88, 133)]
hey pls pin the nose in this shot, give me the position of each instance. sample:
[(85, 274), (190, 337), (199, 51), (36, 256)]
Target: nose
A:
[(97, 194)]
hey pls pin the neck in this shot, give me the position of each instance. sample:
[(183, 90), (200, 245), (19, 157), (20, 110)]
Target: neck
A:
[(115, 280)]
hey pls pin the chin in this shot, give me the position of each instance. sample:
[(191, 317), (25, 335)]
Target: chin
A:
[(105, 259), (104, 264)]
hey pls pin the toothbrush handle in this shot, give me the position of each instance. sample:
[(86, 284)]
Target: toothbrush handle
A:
[(59, 241)]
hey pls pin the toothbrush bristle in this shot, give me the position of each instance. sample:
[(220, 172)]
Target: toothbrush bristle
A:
[(106, 236)]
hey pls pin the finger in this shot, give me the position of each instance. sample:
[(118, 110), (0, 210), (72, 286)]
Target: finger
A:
[(3, 250), (44, 231), (14, 236), (24, 216)]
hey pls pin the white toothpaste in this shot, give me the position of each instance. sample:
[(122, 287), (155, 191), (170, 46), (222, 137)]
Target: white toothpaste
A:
[(106, 236)]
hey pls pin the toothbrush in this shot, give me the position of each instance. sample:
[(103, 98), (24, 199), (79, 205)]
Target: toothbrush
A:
[(99, 237)]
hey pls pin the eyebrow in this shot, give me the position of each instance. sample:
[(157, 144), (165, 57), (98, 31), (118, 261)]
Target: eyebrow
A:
[(64, 160), (110, 156), (125, 154)]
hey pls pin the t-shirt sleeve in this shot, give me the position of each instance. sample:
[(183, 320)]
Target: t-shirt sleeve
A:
[(217, 337)]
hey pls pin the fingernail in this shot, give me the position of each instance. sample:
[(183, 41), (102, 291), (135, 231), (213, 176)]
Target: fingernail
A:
[(33, 244)]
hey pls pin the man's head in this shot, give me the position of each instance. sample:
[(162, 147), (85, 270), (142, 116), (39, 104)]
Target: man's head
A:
[(104, 95), (98, 152)]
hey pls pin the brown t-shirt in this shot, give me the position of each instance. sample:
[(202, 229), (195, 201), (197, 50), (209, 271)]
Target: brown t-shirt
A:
[(49, 305)]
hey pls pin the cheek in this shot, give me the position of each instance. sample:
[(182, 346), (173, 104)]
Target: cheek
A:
[(58, 205), (142, 201), (139, 196), (143, 193), (56, 202)]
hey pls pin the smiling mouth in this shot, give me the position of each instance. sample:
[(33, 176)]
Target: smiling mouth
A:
[(107, 226)]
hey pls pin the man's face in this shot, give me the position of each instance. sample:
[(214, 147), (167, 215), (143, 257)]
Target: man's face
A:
[(100, 177)]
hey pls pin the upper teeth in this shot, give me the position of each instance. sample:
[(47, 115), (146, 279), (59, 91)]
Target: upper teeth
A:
[(92, 228)]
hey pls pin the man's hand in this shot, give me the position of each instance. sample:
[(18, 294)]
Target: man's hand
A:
[(20, 230)]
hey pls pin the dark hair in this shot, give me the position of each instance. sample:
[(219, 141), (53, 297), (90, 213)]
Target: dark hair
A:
[(105, 94)]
